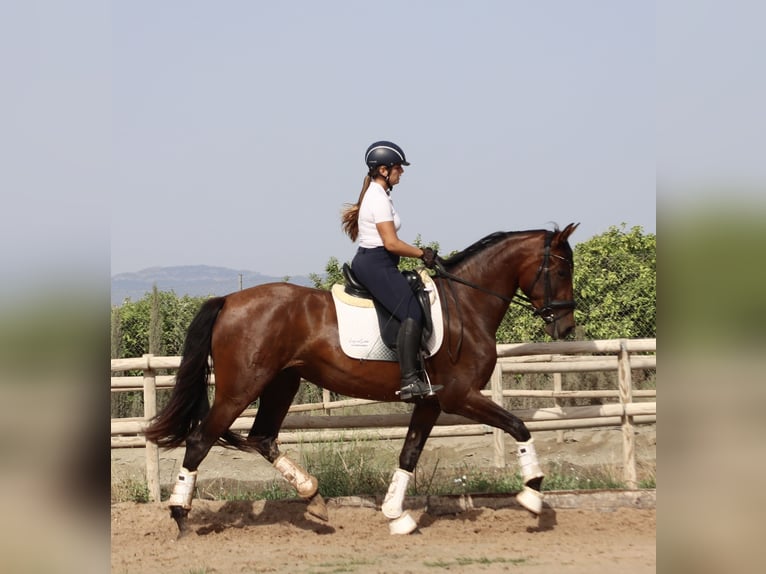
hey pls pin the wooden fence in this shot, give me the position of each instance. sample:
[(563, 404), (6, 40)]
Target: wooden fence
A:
[(620, 355)]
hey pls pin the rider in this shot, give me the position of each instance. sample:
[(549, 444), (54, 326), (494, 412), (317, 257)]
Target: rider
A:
[(373, 222)]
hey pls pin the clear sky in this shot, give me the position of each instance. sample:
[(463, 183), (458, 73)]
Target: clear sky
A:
[(239, 127), (138, 133)]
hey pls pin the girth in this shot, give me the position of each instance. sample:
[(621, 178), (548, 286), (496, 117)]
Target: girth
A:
[(389, 325)]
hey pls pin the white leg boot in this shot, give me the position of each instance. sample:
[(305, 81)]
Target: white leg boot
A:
[(392, 504), (401, 522), (305, 484), (183, 489), (529, 498)]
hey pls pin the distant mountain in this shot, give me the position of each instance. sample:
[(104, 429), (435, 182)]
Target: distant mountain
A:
[(193, 280)]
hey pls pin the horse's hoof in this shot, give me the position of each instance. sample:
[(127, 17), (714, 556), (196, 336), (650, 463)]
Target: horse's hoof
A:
[(317, 507), (179, 514), (405, 524), (531, 499)]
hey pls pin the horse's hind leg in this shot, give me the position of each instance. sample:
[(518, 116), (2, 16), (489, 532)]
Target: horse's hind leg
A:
[(481, 409), (198, 444), (275, 402), (422, 421)]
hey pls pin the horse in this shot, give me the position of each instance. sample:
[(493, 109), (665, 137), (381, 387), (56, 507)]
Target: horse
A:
[(265, 339)]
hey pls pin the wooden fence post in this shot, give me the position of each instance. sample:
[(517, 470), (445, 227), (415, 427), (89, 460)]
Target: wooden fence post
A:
[(152, 450), (326, 399), (557, 403), (625, 381), (498, 435)]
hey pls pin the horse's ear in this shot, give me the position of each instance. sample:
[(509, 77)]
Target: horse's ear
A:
[(566, 232)]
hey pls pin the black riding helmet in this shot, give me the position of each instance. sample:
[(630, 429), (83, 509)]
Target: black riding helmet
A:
[(384, 153)]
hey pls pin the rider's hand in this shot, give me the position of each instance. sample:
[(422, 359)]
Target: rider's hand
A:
[(429, 257)]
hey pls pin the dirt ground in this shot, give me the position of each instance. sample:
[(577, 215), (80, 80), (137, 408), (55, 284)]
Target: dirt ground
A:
[(577, 533)]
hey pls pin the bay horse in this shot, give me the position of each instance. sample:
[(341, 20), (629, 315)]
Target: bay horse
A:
[(265, 339)]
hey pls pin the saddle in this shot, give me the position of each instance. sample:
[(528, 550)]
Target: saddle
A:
[(389, 325)]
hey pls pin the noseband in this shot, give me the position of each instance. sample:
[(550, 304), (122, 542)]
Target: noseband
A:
[(548, 310)]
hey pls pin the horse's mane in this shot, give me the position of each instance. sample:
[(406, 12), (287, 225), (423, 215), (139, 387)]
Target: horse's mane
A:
[(454, 260)]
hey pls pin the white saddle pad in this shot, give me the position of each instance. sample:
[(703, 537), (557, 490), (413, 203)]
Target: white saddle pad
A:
[(359, 330)]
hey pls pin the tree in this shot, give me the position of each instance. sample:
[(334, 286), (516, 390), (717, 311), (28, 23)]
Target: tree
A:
[(155, 325), (116, 333), (134, 319), (615, 284), (333, 274), (172, 316)]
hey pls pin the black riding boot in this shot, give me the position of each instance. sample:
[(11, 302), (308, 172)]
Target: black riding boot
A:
[(408, 348)]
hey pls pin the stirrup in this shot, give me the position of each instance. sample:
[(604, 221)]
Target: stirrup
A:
[(417, 389)]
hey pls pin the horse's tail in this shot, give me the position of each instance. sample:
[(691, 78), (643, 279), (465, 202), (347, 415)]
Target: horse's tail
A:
[(189, 402)]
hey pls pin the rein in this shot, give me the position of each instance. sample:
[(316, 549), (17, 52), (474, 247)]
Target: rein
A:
[(547, 312)]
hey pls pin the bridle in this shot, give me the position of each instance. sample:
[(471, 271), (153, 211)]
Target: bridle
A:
[(547, 312)]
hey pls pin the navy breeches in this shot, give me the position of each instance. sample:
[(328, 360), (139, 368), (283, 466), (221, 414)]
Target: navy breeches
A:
[(377, 269)]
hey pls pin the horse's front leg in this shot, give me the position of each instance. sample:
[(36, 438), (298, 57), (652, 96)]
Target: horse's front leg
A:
[(481, 409), (422, 421)]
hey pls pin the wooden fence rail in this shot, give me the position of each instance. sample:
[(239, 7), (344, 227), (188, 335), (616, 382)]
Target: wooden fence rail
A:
[(620, 355)]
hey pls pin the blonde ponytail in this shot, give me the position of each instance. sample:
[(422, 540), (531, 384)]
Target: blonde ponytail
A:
[(349, 219)]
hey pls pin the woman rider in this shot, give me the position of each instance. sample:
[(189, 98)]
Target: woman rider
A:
[(373, 223)]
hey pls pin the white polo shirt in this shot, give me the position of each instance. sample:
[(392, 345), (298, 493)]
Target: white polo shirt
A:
[(377, 207)]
